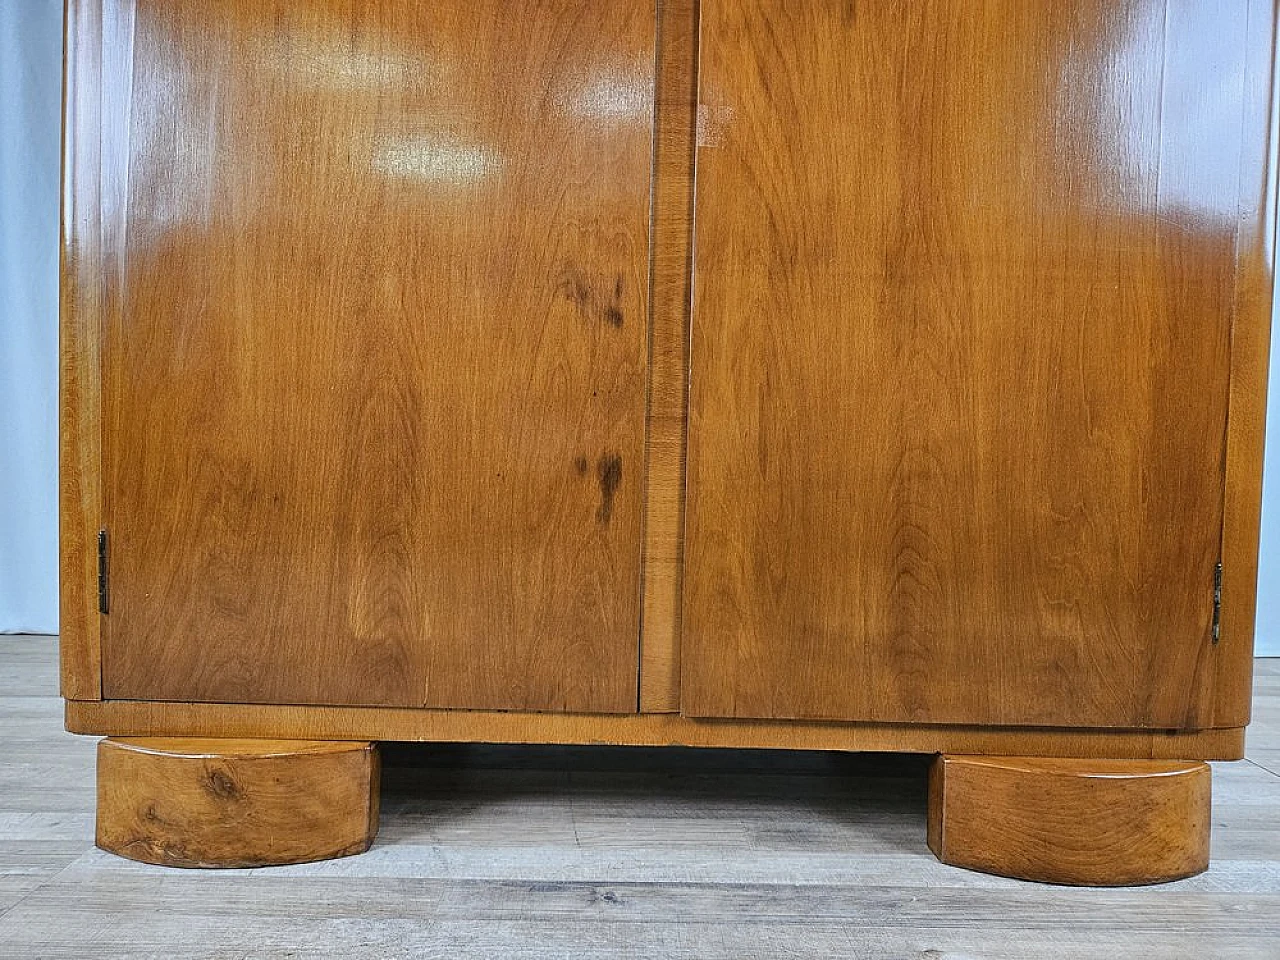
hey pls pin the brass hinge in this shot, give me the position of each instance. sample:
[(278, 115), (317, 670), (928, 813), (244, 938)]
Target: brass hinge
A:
[(1217, 603), (103, 597)]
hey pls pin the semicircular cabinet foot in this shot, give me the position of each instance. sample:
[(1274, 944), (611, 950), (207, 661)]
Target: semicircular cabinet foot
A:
[(1081, 822), (236, 803)]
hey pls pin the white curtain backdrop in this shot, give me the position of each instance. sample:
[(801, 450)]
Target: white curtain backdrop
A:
[(30, 79), (30, 95)]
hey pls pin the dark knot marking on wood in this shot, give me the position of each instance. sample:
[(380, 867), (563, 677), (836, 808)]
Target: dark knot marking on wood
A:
[(221, 785), (609, 473), (591, 305)]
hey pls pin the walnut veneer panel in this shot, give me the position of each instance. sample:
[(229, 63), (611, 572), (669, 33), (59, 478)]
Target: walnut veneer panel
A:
[(375, 399), (964, 289), (674, 128), (82, 303), (1250, 350)]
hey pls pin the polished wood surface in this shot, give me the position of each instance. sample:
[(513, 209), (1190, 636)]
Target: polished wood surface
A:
[(961, 342), (974, 475), (1250, 349), (83, 290), (675, 121), (235, 803), (375, 401), (149, 719), (1094, 823)]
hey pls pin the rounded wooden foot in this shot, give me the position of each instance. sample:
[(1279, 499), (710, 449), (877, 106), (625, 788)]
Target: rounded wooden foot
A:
[(1094, 822), (236, 803)]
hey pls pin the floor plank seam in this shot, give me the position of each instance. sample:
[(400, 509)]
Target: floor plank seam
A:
[(1262, 766), (40, 885)]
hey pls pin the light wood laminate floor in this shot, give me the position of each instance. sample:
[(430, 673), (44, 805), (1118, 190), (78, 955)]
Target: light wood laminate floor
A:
[(540, 853)]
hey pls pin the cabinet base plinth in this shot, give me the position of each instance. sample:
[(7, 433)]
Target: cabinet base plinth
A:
[(1085, 822), (236, 803)]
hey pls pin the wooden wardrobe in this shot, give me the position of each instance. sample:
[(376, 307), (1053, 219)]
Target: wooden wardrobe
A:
[(870, 375)]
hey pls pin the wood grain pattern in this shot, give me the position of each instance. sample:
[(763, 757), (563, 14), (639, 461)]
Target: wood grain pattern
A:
[(84, 247), (146, 719), (675, 122), (322, 444), (235, 803), (1250, 351), (375, 402), (964, 288), (1095, 823)]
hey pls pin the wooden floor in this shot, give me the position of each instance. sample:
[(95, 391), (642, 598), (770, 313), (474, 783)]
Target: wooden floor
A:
[(505, 853)]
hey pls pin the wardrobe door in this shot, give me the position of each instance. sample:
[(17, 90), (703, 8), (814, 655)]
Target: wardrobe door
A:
[(375, 361), (964, 289)]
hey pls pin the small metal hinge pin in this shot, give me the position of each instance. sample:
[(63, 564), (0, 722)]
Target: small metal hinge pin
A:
[(103, 599), (1217, 603)]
